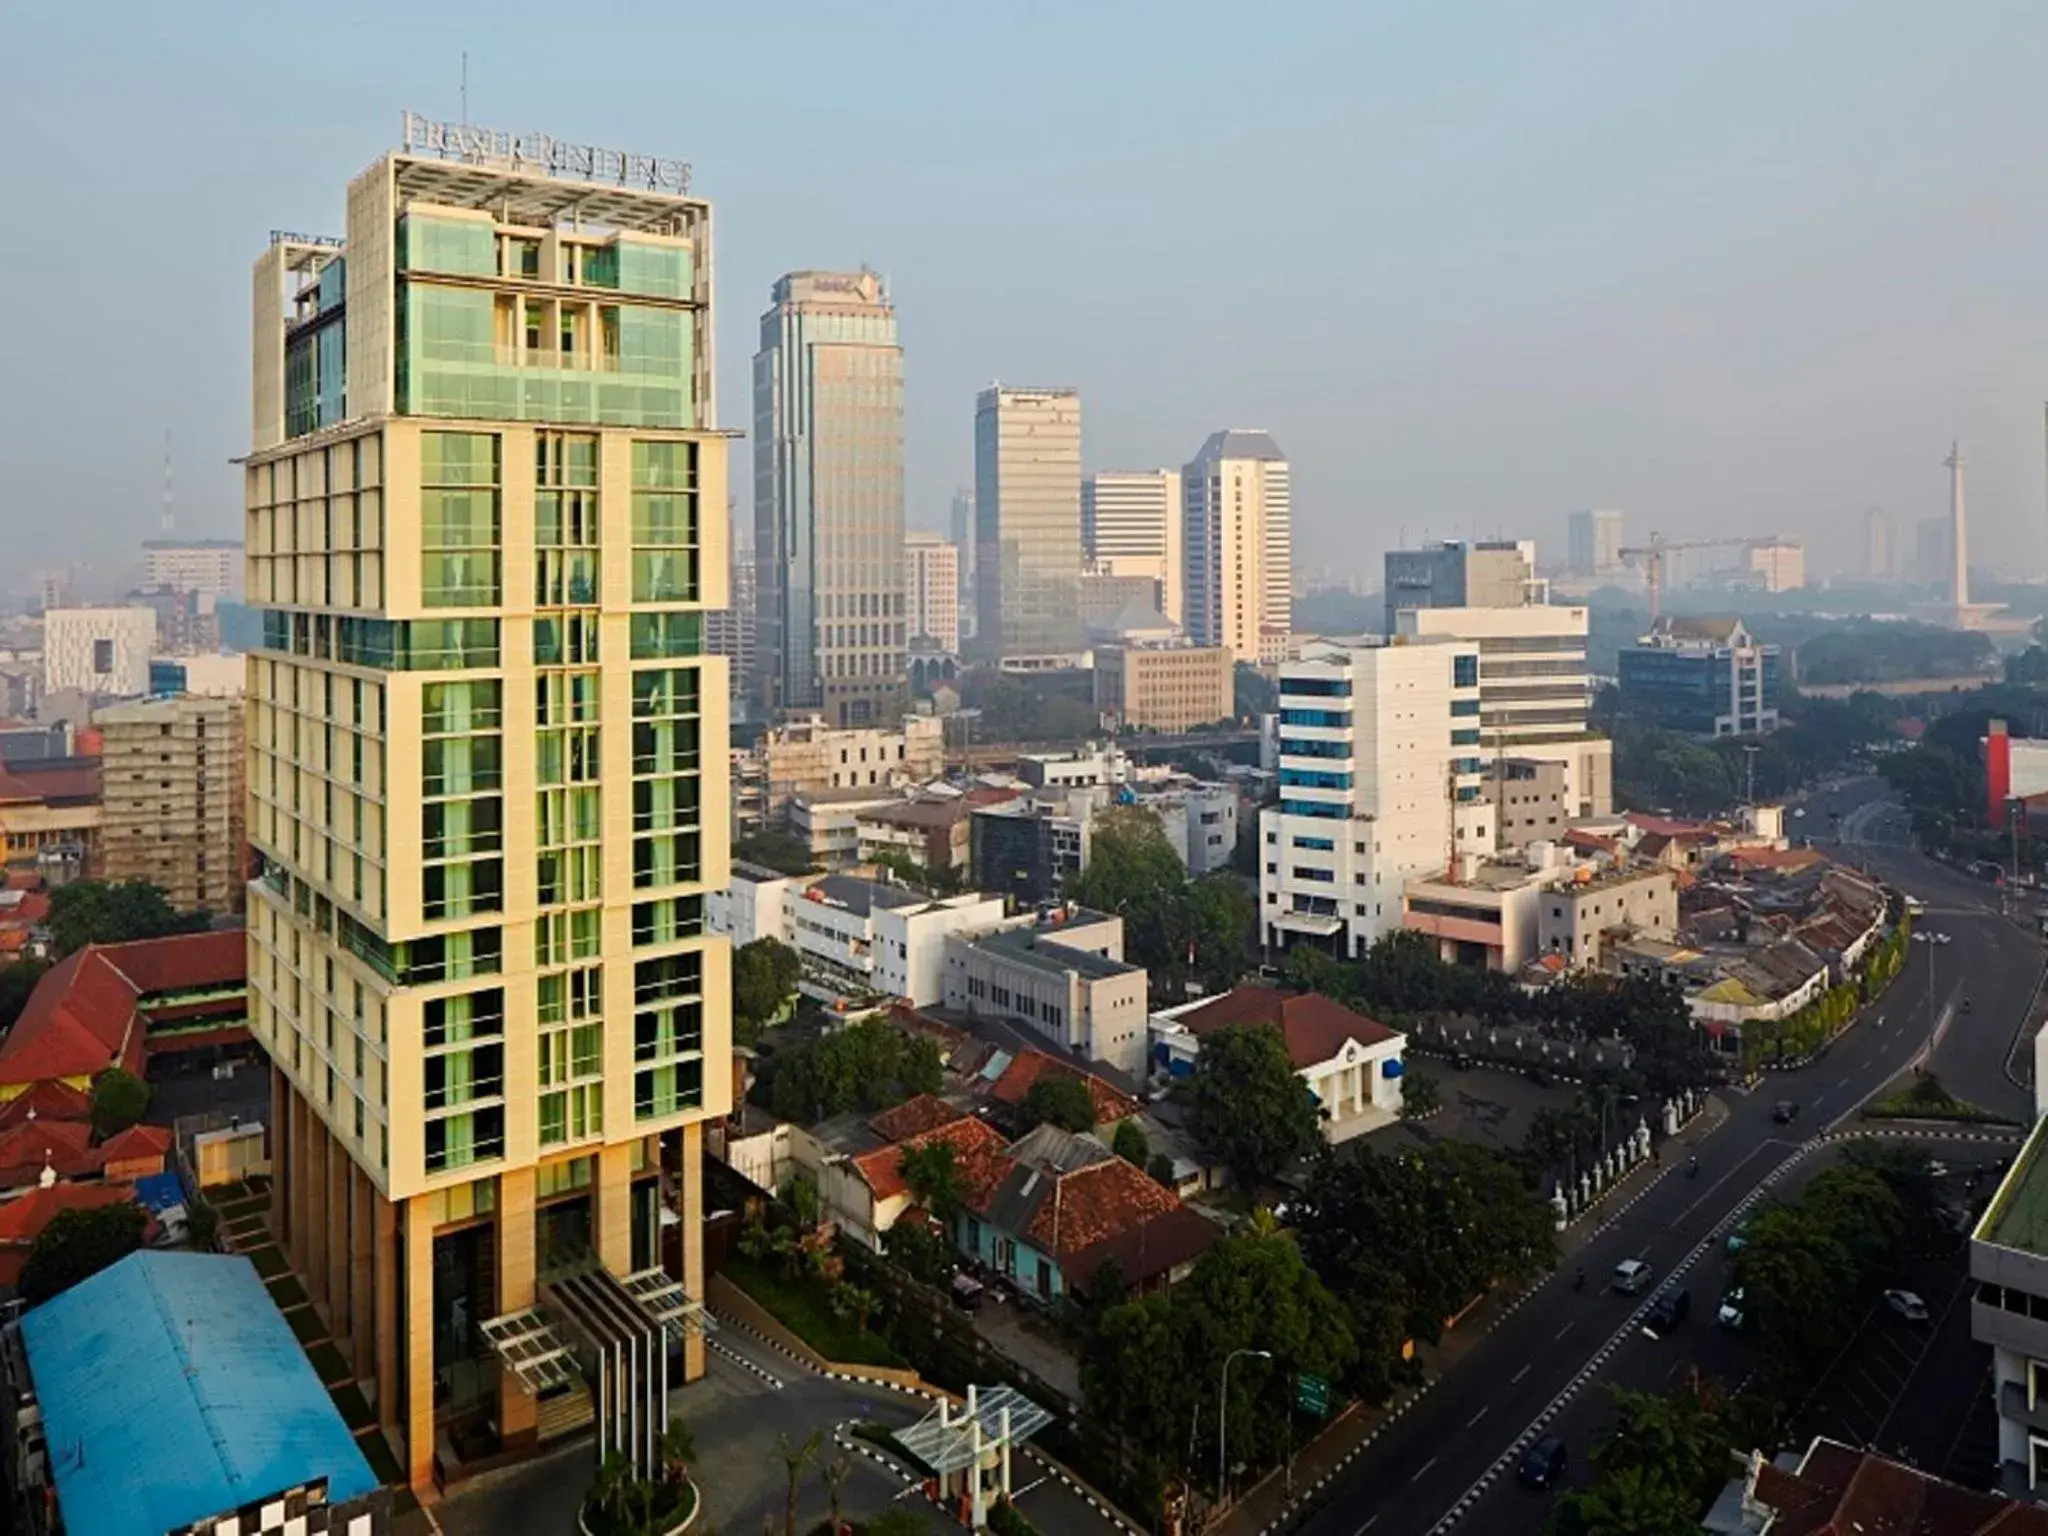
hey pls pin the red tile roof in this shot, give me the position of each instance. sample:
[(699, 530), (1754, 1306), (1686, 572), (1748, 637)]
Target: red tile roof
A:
[(1314, 1027), (137, 1141), (1842, 1492), (1153, 1247), (81, 1018), (50, 1100), (21, 1220), (977, 1152), (1029, 1065), (75, 779), (1094, 1204), (913, 1117), (64, 1145)]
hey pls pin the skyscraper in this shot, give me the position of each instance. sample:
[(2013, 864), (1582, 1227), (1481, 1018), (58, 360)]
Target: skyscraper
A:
[(1880, 546), (828, 498), (479, 728), (1595, 543), (931, 587), (733, 632), (172, 799), (1132, 522), (963, 541), (1238, 535), (1454, 574), (1027, 519)]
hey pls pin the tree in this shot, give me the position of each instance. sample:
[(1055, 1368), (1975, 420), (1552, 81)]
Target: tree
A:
[(854, 1303), (1248, 1106), (1800, 1285), (764, 977), (800, 1194), (1058, 1099), (17, 981), (869, 1065), (833, 1473), (1252, 692), (78, 1244), (1160, 1167), (775, 850), (920, 1252), (115, 912), (119, 1100), (795, 1457), (1129, 1143), (1634, 1502), (1678, 1436), (1220, 920), (896, 1520), (678, 1449), (1421, 1094), (931, 1169)]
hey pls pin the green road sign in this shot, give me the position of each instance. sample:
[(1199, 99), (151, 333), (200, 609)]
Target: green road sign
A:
[(1312, 1395)]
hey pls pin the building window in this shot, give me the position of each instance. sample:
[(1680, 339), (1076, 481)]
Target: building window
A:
[(459, 519)]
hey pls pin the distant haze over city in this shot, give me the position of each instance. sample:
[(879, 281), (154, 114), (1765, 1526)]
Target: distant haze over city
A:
[(1472, 278)]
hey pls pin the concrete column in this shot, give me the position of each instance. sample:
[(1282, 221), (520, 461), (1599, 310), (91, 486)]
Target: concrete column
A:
[(301, 1196), (362, 1285), (280, 1155), (318, 1199), (418, 1350), (340, 1207), (384, 1333), (518, 1412), (690, 1207), (613, 1213)]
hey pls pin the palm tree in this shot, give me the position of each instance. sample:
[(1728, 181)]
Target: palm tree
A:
[(1263, 1222), (854, 1303), (834, 1473), (794, 1459), (678, 1449)]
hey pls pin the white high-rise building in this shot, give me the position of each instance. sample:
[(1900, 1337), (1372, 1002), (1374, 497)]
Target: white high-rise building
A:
[(828, 498), (1595, 543), (1534, 690), (98, 650), (1131, 525), (1027, 522), (1239, 545), (1381, 780), (209, 566), (931, 590)]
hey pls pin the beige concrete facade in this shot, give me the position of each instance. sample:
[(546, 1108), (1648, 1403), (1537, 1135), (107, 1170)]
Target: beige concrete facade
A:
[(486, 755), (171, 799), (1164, 687)]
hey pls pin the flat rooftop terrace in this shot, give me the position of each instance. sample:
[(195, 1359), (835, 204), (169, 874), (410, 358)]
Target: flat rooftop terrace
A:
[(2018, 1214)]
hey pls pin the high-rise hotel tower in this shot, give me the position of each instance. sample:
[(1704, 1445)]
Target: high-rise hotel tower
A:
[(486, 513)]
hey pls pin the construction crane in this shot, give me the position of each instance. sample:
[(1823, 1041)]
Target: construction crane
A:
[(1651, 556)]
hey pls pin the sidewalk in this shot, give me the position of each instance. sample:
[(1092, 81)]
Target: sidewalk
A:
[(1283, 1495)]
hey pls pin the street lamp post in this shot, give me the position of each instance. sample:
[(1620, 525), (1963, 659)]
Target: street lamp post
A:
[(1223, 1421)]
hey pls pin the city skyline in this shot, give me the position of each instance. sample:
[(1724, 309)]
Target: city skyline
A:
[(1739, 308)]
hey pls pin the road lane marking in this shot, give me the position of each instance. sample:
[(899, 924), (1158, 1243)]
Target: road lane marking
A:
[(1518, 1375), (1567, 1328), (1843, 1083), (1475, 1418), (1422, 1469)]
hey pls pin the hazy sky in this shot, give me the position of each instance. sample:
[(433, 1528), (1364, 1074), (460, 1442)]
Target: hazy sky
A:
[(1741, 267)]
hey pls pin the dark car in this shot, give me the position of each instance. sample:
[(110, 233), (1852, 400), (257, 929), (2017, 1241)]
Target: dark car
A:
[(1543, 1464), (1668, 1309), (1783, 1111)]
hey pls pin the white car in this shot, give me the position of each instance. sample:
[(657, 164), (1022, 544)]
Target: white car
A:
[(1798, 811), (1942, 938), (1630, 1276), (1907, 1304), (1732, 1314)]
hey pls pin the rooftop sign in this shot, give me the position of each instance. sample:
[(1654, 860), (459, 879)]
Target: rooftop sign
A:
[(543, 152)]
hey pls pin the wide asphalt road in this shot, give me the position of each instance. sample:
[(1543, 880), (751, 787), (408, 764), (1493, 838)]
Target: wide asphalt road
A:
[(1438, 1460)]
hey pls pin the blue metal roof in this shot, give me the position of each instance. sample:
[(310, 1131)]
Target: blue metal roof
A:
[(172, 1389)]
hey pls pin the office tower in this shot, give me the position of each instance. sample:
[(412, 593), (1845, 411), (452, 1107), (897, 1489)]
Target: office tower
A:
[(733, 632), (962, 528), (1131, 525), (1880, 546), (1779, 564), (1380, 781), (171, 799), (1454, 574), (487, 779), (1535, 688), (98, 650), (828, 497), (1027, 522), (1958, 533), (1705, 677), (931, 588), (1595, 543), (1239, 541), (211, 567)]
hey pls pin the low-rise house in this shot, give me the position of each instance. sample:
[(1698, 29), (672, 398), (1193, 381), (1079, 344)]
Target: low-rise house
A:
[(1017, 1073), (1198, 818), (1065, 1205), (1060, 975), (1832, 1489), (1485, 917), (22, 1219), (752, 906), (828, 822), (931, 828), (859, 1169), (1351, 1063)]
